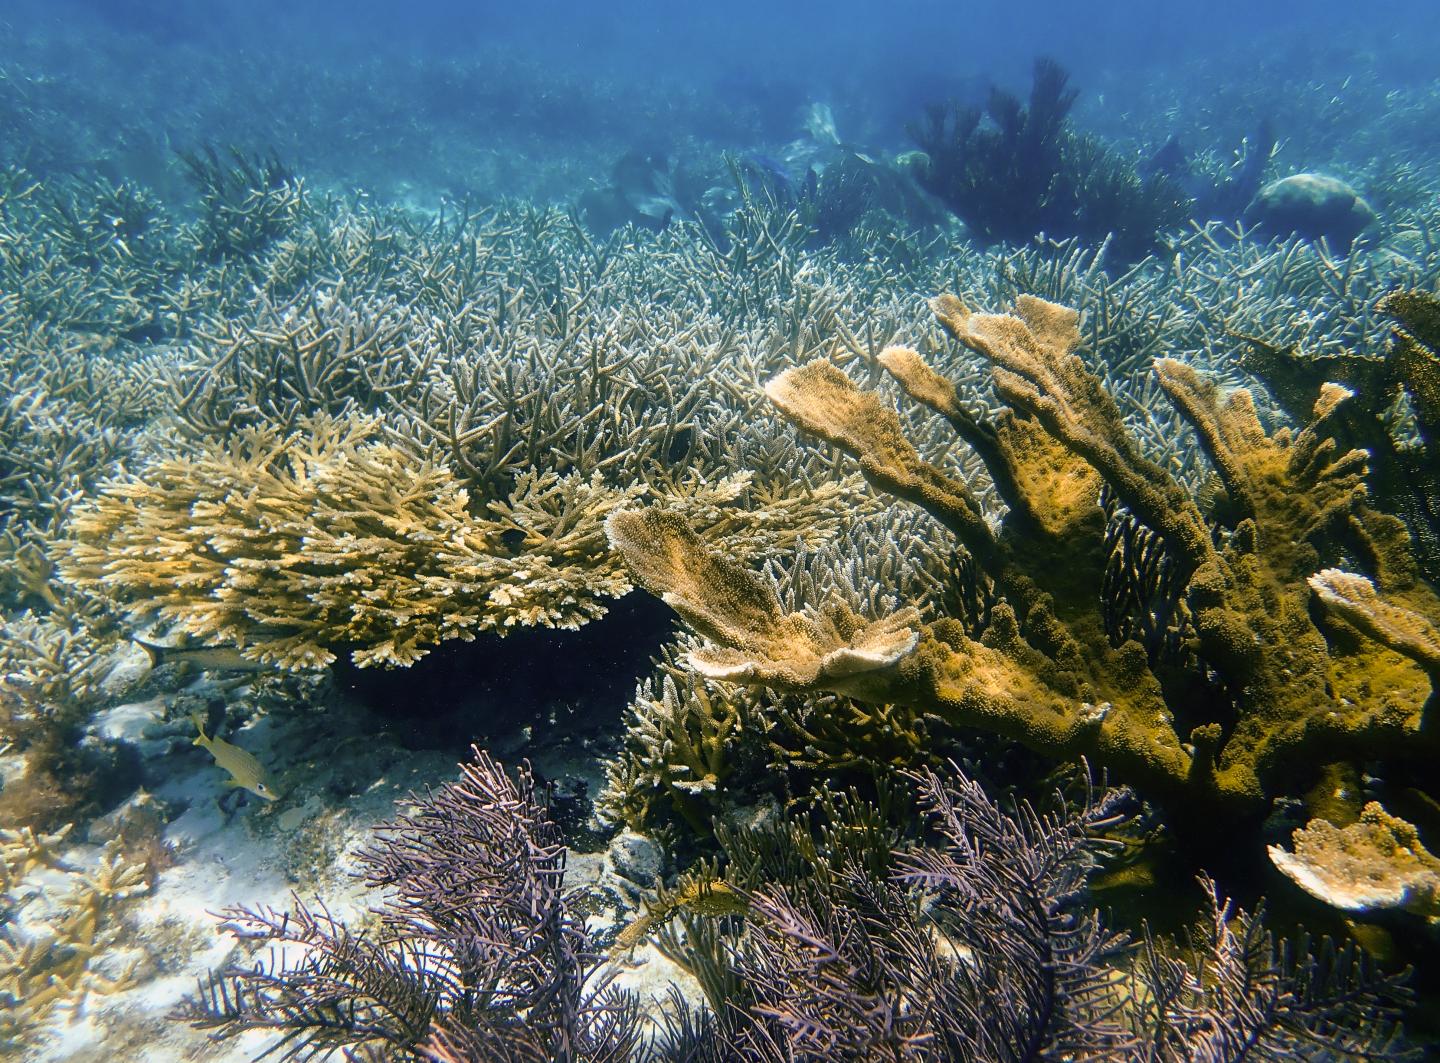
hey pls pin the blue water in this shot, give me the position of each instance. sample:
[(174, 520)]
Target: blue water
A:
[(336, 87), (671, 134)]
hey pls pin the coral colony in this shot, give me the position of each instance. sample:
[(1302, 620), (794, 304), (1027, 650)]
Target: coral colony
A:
[(1011, 645)]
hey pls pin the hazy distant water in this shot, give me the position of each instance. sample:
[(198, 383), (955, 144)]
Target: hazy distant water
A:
[(371, 93), (819, 43)]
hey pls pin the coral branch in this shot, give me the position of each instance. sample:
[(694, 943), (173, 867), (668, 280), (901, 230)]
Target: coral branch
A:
[(821, 399), (736, 608), (1036, 371), (1042, 483), (1373, 864), (1355, 599)]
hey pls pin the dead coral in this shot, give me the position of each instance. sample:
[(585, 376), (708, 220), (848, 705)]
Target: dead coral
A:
[(1288, 695)]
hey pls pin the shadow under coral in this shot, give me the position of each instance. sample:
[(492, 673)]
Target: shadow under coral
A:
[(496, 686)]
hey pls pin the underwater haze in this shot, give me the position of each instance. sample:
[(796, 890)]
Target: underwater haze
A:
[(675, 532)]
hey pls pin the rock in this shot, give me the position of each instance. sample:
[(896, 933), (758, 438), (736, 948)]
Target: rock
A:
[(136, 723), (1314, 206), (130, 668), (637, 858), (122, 965), (141, 815)]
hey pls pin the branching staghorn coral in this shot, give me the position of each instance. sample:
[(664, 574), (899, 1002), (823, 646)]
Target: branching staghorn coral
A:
[(1289, 695), (52, 967), (295, 546), (290, 546), (247, 202)]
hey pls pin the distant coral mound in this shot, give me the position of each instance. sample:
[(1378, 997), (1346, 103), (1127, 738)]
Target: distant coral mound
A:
[(1314, 206)]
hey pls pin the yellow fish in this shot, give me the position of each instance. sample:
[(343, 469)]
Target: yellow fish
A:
[(245, 771)]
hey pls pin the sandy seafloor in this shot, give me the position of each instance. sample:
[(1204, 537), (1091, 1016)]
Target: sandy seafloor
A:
[(172, 935)]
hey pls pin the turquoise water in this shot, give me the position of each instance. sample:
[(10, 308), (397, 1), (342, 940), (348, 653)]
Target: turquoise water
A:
[(393, 387)]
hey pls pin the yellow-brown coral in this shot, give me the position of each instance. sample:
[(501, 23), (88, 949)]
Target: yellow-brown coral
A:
[(291, 546), (1046, 670), (1374, 863), (295, 546), (53, 967)]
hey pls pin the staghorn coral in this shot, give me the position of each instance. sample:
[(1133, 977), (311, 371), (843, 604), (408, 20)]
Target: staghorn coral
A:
[(1286, 694), (295, 546), (246, 202), (54, 966), (679, 747), (291, 546)]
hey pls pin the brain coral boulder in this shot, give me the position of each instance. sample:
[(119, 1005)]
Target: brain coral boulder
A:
[(1314, 206)]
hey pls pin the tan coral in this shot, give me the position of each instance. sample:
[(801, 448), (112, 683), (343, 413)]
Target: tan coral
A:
[(756, 642), (291, 546), (1355, 599), (25, 849), (1036, 371), (821, 399), (1375, 863), (1045, 669), (53, 967)]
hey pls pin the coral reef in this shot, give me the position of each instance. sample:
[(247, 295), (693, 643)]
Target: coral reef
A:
[(478, 952), (1025, 171), (331, 395), (1267, 692)]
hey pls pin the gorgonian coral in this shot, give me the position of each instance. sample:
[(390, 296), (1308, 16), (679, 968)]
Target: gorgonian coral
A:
[(844, 942), (477, 952), (1015, 170)]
